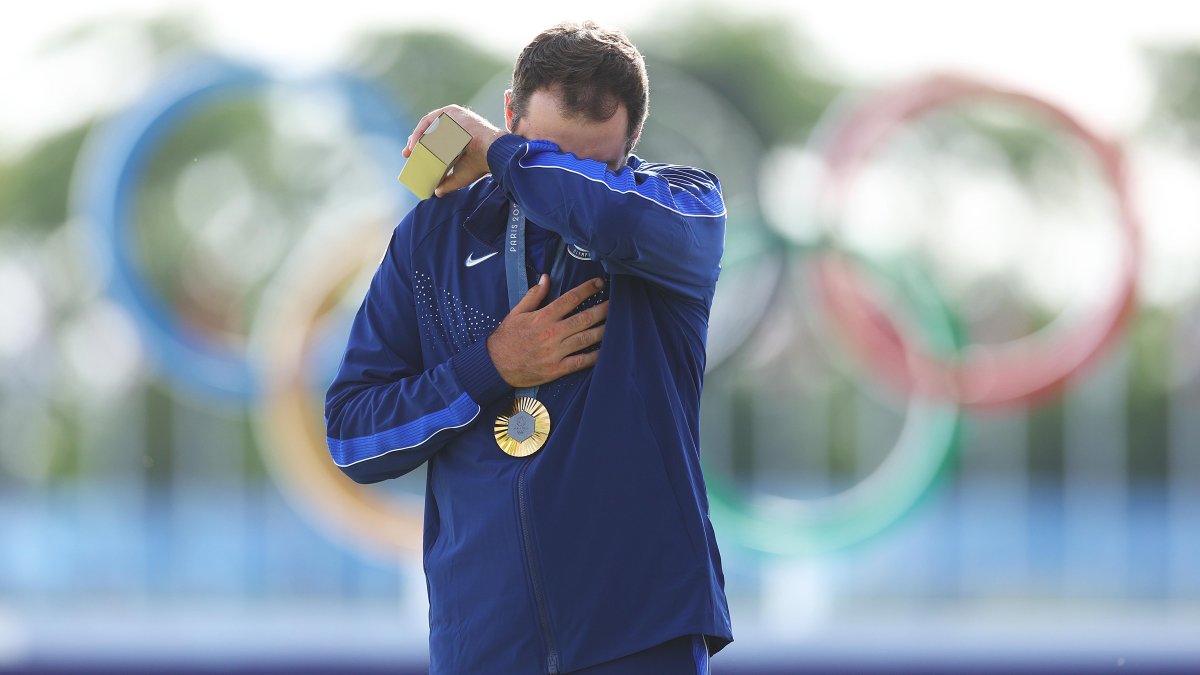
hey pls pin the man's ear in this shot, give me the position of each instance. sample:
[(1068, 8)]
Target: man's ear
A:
[(637, 135), (508, 114)]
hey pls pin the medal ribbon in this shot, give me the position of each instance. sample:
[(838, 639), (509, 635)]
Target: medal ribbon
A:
[(526, 427), (518, 277)]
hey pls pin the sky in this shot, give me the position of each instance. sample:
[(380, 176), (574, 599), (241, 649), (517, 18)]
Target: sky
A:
[(1088, 58), (1084, 54)]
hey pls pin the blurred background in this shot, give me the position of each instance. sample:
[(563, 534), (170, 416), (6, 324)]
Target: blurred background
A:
[(950, 414)]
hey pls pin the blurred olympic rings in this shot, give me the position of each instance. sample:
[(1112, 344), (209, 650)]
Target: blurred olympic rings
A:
[(288, 420), (282, 380), (979, 375), (925, 446), (108, 176)]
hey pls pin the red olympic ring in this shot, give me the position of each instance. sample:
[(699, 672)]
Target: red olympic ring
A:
[(979, 376)]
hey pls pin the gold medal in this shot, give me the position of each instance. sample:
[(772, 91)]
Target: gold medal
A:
[(524, 430)]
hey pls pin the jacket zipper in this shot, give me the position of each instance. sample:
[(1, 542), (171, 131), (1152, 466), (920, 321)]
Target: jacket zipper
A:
[(535, 574)]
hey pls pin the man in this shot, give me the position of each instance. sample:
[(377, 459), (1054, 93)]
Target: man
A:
[(592, 552)]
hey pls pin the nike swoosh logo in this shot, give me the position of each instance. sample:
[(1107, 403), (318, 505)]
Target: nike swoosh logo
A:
[(473, 261)]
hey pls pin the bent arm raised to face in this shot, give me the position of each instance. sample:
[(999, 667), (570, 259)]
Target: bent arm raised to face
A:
[(660, 222)]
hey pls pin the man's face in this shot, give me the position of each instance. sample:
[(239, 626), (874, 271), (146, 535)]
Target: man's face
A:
[(601, 141)]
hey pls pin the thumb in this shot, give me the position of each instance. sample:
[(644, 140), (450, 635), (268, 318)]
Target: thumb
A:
[(533, 299), (452, 181)]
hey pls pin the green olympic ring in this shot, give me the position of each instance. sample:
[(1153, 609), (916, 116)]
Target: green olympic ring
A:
[(925, 447)]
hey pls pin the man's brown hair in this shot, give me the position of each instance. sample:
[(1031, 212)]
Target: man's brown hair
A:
[(591, 69)]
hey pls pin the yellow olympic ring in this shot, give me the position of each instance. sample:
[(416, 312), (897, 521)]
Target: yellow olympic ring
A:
[(288, 423)]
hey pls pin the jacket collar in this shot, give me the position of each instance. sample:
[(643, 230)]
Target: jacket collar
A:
[(486, 222)]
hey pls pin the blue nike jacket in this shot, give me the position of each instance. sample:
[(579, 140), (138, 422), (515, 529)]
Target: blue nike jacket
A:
[(599, 545)]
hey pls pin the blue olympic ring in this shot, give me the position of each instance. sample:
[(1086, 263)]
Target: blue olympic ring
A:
[(109, 173)]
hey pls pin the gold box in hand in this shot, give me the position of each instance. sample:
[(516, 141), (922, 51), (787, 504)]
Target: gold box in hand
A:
[(438, 148)]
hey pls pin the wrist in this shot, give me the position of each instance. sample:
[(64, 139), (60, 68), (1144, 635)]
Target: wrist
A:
[(487, 138), (477, 374), (500, 368), (501, 152)]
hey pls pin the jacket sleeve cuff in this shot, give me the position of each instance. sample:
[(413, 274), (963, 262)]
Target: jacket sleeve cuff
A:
[(477, 374), (500, 155)]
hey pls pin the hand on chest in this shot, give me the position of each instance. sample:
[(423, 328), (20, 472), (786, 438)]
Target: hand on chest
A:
[(462, 303)]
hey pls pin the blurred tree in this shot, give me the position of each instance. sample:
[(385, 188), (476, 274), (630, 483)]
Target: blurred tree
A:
[(1175, 106), (761, 66), (161, 36), (1028, 141), (34, 186), (768, 73), (426, 69), (1151, 382)]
